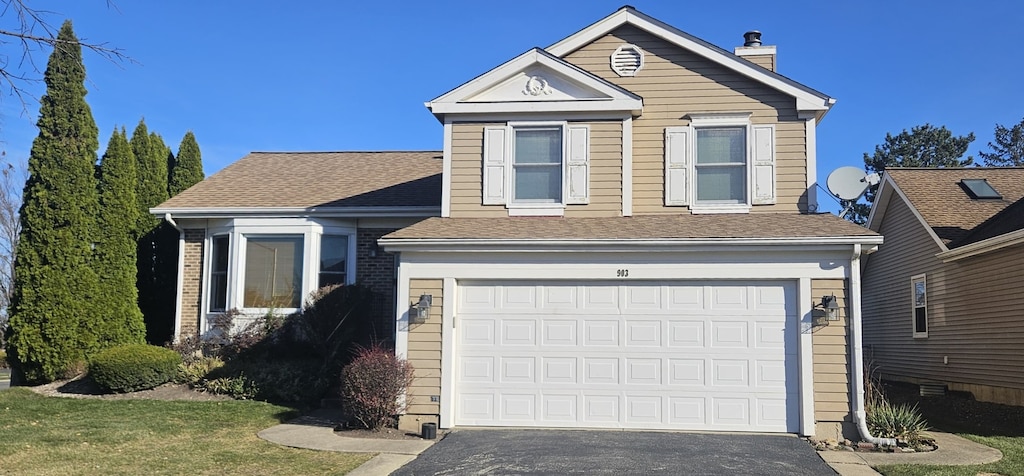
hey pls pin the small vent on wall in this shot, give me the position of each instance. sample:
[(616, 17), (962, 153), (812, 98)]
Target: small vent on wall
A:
[(627, 60)]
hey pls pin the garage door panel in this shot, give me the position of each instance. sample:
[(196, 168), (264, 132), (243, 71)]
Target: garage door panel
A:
[(518, 332), (688, 356)]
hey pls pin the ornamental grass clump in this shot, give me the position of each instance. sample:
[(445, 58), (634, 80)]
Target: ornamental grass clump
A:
[(373, 384), (900, 421), (134, 367)]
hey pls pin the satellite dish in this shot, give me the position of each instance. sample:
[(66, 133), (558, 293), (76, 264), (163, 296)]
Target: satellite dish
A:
[(850, 183)]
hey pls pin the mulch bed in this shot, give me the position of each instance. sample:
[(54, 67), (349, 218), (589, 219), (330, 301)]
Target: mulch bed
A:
[(959, 412)]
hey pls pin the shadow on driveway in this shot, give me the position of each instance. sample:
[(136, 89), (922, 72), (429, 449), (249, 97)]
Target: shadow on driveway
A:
[(474, 452)]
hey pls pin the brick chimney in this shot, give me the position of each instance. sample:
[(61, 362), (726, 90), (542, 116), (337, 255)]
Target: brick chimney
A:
[(753, 51)]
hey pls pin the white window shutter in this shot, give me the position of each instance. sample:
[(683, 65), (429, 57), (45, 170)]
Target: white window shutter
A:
[(495, 149), (677, 166), (577, 174), (764, 164)]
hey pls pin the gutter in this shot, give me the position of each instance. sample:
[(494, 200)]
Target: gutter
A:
[(352, 212), (857, 369), (611, 245)]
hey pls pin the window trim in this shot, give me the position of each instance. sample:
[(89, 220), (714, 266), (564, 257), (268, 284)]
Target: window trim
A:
[(237, 229), (535, 208), (705, 121), (919, 278)]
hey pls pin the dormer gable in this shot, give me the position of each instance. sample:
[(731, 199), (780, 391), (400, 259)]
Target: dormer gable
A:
[(535, 82)]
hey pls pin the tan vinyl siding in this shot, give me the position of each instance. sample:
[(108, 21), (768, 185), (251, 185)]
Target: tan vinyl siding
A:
[(831, 363), (425, 350), (764, 61), (605, 172), (674, 83)]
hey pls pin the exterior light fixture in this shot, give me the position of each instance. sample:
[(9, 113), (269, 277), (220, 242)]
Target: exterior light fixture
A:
[(421, 311), (825, 311), (374, 250)]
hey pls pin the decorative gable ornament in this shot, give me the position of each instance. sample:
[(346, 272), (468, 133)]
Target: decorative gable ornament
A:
[(536, 86), (627, 60)]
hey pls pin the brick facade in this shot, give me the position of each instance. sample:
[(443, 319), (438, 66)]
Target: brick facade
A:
[(377, 273), (192, 289)]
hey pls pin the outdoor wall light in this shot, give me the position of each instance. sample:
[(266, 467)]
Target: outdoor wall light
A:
[(825, 311), (421, 311), (373, 251)]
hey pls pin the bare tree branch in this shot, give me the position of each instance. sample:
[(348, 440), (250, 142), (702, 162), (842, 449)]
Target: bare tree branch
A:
[(27, 33)]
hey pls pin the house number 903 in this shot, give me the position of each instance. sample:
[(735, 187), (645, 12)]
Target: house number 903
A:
[(622, 273)]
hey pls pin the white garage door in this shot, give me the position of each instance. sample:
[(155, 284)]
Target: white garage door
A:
[(692, 356)]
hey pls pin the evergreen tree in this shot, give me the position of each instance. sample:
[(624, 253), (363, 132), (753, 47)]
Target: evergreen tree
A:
[(152, 181), (1008, 149), (52, 327), (116, 250), (188, 168), (922, 146)]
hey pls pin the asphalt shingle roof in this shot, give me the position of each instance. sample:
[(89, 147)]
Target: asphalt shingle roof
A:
[(647, 227), (947, 208), (319, 179)]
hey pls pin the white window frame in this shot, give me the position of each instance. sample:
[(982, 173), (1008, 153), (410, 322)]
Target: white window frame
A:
[(525, 208), (238, 230), (920, 278), (701, 121)]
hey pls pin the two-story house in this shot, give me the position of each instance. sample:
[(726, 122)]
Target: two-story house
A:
[(621, 234)]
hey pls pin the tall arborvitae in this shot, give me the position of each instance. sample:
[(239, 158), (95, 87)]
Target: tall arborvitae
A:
[(116, 250), (188, 168), (157, 249), (52, 325)]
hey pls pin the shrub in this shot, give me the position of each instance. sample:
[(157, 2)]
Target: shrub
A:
[(192, 372), (134, 367), (373, 384), (903, 422), (238, 387), (3, 360)]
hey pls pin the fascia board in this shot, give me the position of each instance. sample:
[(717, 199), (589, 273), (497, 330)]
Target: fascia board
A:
[(881, 203), (839, 242), (807, 99), (633, 106), (519, 63), (368, 212), (984, 246)]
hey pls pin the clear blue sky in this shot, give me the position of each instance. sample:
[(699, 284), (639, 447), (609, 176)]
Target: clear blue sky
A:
[(258, 75)]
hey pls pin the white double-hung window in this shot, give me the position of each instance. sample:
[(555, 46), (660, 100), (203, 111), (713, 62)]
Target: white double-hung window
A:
[(720, 163), (536, 168)]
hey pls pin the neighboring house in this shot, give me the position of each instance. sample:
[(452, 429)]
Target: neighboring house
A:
[(625, 236), (942, 300)]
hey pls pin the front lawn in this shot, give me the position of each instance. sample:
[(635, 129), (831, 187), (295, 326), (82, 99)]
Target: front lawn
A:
[(53, 435), (1011, 464)]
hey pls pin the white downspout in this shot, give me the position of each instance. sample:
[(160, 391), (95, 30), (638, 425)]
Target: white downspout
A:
[(181, 277), (857, 369)]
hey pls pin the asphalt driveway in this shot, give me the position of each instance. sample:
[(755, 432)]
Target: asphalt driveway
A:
[(498, 452)]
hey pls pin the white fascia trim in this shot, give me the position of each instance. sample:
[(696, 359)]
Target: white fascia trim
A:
[(615, 246), (354, 212), (807, 99), (882, 197), (984, 246), (446, 171), (627, 167), (448, 311), (521, 62), (541, 116), (633, 106), (811, 140)]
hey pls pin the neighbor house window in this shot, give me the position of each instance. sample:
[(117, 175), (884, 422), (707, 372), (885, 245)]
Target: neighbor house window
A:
[(273, 271), (219, 274), (919, 293), (333, 260), (537, 164), (721, 165)]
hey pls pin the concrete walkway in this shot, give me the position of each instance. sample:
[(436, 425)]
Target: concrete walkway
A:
[(953, 451), (316, 432)]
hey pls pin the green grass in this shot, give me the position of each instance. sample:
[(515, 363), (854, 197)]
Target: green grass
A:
[(1012, 463), (54, 435)]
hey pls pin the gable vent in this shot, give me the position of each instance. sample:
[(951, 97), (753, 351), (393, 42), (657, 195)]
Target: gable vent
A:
[(627, 60)]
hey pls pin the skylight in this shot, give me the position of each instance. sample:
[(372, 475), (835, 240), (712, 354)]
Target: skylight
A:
[(979, 188)]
